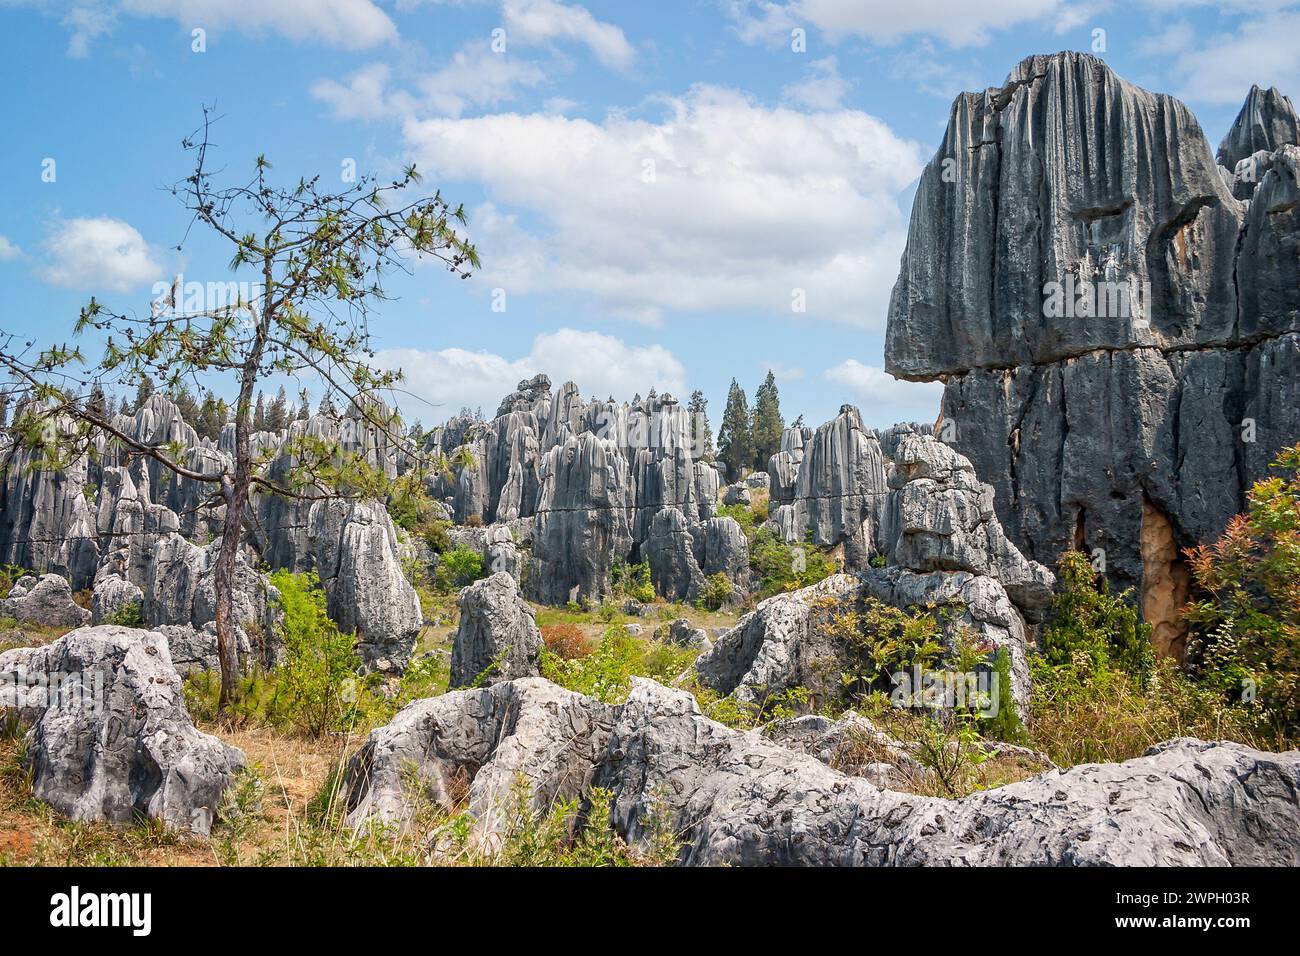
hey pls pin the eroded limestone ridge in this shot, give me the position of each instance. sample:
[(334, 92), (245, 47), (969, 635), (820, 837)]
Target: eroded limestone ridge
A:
[(1118, 332)]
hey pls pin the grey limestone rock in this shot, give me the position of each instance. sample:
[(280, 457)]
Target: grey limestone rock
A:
[(497, 639), (743, 799), (114, 741), (46, 602)]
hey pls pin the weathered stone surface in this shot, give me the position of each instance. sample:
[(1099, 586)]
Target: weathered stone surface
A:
[(721, 547), (739, 798), (737, 494), (977, 603), (853, 746), (840, 493), (46, 602), (1266, 122), (780, 645), (497, 639), (940, 517), (116, 742), (482, 741), (582, 525), (685, 634), (113, 595), (670, 551), (358, 560), (1083, 424)]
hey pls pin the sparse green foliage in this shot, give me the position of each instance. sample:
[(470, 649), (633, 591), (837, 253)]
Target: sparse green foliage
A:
[(1246, 626), (459, 567), (1087, 618), (717, 591)]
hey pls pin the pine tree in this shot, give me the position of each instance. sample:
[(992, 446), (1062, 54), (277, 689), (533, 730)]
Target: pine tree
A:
[(701, 433), (209, 424), (259, 414), (186, 405), (767, 423), (142, 392), (735, 447), (277, 413)]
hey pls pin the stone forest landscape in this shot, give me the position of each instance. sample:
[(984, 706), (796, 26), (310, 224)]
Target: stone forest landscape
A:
[(255, 612)]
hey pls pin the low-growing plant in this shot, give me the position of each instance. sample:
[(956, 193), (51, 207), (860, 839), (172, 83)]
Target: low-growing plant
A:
[(459, 567), (567, 641), (127, 614), (717, 591)]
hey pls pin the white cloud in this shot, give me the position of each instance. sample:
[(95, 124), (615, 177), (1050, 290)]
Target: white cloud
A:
[(539, 21), (875, 388), (1172, 40), (1223, 68), (352, 24), (86, 22), (8, 250), (99, 253), (474, 77), (601, 365), (722, 204), (821, 89), (956, 22)]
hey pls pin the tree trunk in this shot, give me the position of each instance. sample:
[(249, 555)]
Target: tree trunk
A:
[(223, 581)]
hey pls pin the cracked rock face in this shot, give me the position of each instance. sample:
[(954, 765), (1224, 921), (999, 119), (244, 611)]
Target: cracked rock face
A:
[(940, 517), (742, 799), (1083, 419), (46, 602), (115, 741), (785, 642), (497, 639)]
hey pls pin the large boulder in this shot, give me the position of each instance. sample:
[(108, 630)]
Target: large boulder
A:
[(740, 798), (497, 639), (46, 602), (790, 641), (780, 645), (475, 747), (110, 738)]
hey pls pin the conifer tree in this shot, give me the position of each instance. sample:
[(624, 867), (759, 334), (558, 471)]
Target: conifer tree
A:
[(767, 424), (735, 447)]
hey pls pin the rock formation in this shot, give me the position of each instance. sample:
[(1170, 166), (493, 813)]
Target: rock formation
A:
[(110, 738), (739, 798), (1077, 272), (497, 639), (46, 602)]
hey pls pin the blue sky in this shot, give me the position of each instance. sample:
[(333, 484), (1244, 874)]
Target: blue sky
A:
[(651, 186)]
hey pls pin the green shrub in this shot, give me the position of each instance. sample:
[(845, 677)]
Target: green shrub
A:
[(781, 567), (1087, 619), (126, 615), (606, 672), (317, 688), (632, 581), (1245, 628), (459, 567), (717, 590)]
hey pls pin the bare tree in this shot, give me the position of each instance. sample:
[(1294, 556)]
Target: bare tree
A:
[(320, 258)]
